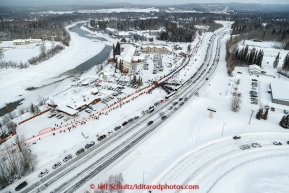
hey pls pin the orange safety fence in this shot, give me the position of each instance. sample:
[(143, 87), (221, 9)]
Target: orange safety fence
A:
[(34, 116)]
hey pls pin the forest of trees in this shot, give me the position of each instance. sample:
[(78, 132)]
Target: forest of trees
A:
[(17, 160), (265, 30)]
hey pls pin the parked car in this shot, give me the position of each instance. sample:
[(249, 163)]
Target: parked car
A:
[(288, 142), (20, 186), (151, 110), (243, 147), (186, 99), (237, 137), (239, 72), (51, 115), (272, 109), (256, 145), (124, 124), (254, 80), (130, 120), (101, 137), (43, 173), (164, 117), (117, 128), (150, 122), (180, 99), (175, 103), (56, 165), (285, 111), (277, 143), (88, 111), (171, 107), (181, 103), (87, 146), (84, 134), (61, 116), (68, 157)]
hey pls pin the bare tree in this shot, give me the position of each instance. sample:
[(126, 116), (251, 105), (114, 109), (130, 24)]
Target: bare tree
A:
[(235, 103), (1, 53)]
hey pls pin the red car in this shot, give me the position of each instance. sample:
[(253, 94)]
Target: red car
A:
[(180, 99)]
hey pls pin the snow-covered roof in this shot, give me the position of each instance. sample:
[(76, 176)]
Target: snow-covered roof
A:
[(110, 29), (123, 33), (254, 67), (128, 53), (157, 46), (136, 58), (19, 40), (280, 90), (67, 110)]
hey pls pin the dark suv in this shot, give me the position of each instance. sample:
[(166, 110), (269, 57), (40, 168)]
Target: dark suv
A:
[(117, 128), (20, 186), (80, 151), (89, 144), (101, 137), (124, 124), (150, 122)]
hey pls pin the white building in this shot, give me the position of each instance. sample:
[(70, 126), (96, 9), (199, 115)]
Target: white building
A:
[(156, 48), (126, 56), (280, 92), (111, 31), (26, 41), (254, 69)]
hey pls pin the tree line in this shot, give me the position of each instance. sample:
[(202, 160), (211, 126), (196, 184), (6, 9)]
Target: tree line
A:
[(16, 162)]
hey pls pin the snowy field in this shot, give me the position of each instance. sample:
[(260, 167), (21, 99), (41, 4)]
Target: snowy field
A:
[(117, 10), (23, 52), (187, 130), (13, 89), (191, 127)]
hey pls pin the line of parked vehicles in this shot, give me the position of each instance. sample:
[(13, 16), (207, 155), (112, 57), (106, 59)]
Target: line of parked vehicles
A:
[(57, 165), (254, 145), (253, 92)]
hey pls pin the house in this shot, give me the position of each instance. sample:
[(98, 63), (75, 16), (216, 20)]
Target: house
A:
[(124, 34), (156, 48), (254, 69), (280, 92), (111, 31), (26, 41), (126, 57)]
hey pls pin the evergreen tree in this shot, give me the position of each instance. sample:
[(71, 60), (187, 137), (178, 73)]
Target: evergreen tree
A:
[(284, 122), (255, 58), (117, 48), (276, 62), (245, 53), (113, 51), (251, 57), (259, 114), (285, 65), (260, 58), (134, 79), (265, 115)]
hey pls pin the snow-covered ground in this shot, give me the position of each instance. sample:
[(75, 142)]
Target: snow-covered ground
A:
[(185, 131), (13, 89), (117, 10), (23, 52)]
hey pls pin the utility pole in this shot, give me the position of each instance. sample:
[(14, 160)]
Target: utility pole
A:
[(251, 116)]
